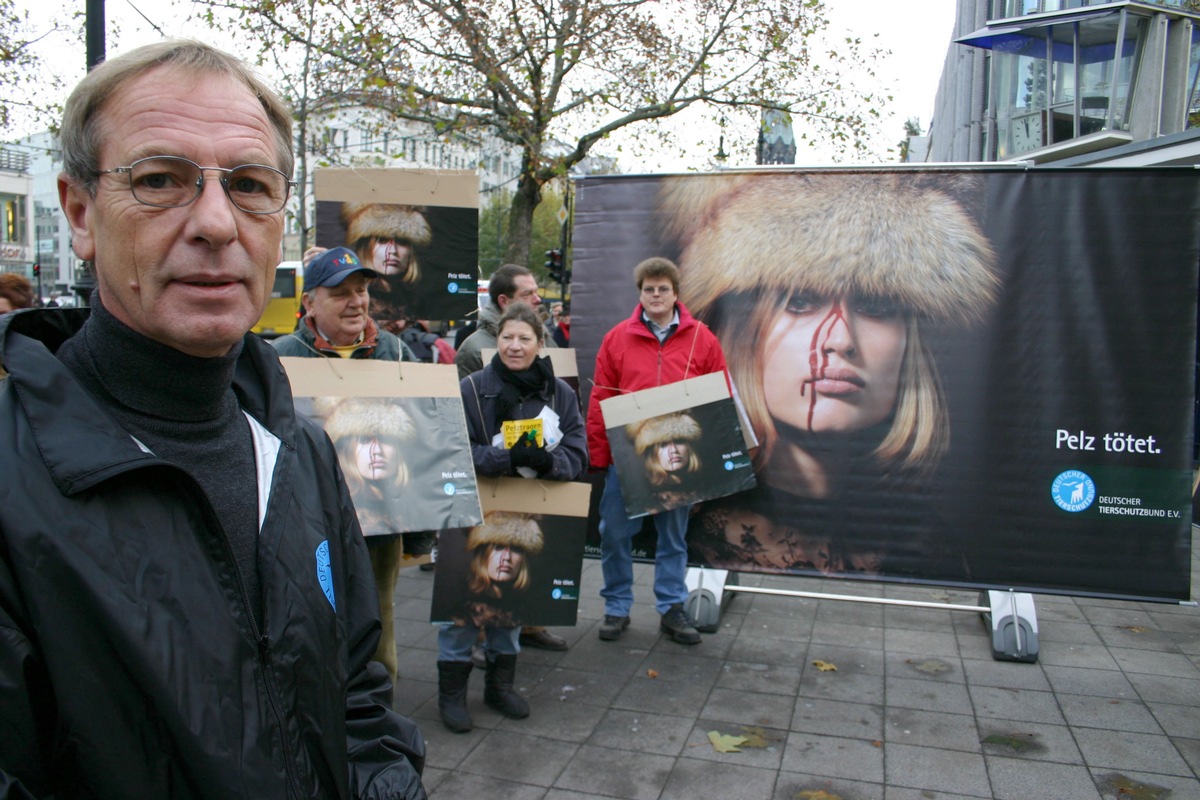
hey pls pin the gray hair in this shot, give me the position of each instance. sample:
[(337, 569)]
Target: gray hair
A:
[(81, 133)]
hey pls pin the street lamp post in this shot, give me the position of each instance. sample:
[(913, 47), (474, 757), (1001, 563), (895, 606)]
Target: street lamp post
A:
[(95, 33)]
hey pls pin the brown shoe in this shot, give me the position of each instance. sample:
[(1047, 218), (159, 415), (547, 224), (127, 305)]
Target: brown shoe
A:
[(542, 639)]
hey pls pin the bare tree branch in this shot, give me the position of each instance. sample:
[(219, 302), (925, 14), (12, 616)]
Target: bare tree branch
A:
[(536, 72)]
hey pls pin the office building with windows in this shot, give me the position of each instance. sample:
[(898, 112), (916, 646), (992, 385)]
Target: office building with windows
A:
[(16, 213), (1070, 81)]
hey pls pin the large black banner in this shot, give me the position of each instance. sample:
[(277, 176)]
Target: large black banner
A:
[(972, 377)]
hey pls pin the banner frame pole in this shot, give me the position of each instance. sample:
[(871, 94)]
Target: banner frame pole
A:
[(1010, 614)]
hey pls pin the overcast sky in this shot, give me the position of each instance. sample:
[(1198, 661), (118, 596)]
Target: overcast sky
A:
[(917, 34)]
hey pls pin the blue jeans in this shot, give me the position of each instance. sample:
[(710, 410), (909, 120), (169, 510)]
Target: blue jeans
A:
[(616, 553), (455, 641)]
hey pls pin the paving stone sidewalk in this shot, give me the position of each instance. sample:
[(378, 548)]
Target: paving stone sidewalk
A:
[(916, 708)]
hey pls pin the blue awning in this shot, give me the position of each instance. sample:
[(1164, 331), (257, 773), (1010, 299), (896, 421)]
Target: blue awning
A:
[(1018, 36)]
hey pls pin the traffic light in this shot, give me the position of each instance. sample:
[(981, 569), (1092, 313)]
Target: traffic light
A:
[(37, 270), (554, 267)]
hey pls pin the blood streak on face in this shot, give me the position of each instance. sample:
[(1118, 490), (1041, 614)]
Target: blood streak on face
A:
[(818, 354)]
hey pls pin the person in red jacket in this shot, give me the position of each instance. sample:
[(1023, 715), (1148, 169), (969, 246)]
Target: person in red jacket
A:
[(660, 343)]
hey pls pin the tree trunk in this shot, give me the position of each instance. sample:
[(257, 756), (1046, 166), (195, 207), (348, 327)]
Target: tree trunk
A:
[(520, 218), (302, 175)]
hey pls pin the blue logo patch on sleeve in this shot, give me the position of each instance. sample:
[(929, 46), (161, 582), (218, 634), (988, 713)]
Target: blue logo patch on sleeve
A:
[(325, 572)]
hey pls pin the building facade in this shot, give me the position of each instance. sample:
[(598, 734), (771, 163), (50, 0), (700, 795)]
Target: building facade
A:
[(17, 251), (1081, 80)]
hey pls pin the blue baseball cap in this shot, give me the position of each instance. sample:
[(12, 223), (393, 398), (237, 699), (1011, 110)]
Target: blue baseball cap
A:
[(332, 267)]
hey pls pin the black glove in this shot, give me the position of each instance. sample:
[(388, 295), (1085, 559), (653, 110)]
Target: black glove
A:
[(526, 454)]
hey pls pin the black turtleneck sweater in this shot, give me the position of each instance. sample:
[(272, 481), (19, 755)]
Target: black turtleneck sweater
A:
[(184, 410)]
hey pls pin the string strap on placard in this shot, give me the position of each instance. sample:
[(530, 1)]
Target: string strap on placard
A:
[(329, 361), (688, 366), (615, 390)]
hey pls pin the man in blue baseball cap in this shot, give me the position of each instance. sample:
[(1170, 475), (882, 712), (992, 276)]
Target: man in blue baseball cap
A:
[(337, 319), (337, 323)]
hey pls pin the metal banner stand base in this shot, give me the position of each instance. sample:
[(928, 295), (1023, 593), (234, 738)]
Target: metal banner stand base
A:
[(1013, 621), (706, 596), (1010, 614)]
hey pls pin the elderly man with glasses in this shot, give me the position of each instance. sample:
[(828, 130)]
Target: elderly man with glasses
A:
[(660, 343), (185, 595)]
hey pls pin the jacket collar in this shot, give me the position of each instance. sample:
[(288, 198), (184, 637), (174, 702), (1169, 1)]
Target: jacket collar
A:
[(320, 343), (80, 443), (635, 324), (489, 318)]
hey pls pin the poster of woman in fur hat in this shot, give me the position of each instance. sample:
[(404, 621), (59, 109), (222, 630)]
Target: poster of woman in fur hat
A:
[(516, 568), (680, 458), (825, 338), (423, 242), (395, 453), (931, 359)]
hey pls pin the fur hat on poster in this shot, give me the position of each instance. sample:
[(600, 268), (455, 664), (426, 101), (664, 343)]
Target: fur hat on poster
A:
[(508, 529), (352, 422), (659, 430), (368, 224), (650, 436), (520, 532), (907, 237), (385, 221), (907, 240)]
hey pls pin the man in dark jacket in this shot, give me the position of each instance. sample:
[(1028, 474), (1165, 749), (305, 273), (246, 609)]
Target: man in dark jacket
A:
[(660, 343), (185, 597), (510, 283)]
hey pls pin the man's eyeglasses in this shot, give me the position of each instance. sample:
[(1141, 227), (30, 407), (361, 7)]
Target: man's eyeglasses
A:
[(171, 182), (657, 290)]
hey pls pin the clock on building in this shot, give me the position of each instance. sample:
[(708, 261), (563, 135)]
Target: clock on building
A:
[(1027, 132)]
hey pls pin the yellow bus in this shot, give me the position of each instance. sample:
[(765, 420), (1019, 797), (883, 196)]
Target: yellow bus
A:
[(283, 309)]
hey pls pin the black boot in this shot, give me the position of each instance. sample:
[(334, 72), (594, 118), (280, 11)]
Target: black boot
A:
[(498, 688), (452, 695)]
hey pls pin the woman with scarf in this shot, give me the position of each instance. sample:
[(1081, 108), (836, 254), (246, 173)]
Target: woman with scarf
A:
[(516, 385)]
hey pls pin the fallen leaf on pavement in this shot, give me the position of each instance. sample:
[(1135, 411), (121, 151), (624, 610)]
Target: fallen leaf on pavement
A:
[(817, 794), (931, 667), (1129, 789), (1019, 742), (824, 666), (756, 737), (724, 743), (651, 673)]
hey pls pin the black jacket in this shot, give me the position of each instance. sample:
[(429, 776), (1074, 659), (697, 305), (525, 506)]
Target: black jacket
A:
[(480, 395), (129, 664)]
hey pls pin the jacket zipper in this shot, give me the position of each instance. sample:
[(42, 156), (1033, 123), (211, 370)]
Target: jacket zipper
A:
[(264, 657), (261, 640)]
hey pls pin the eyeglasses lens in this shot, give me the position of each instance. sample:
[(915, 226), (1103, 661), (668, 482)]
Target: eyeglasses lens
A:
[(169, 182)]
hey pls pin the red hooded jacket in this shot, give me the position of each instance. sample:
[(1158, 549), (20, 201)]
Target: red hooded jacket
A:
[(631, 359)]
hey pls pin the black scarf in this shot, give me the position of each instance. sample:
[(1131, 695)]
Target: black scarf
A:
[(537, 380)]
